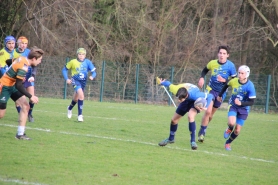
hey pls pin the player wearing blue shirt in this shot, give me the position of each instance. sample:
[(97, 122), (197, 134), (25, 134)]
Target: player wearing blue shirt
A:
[(243, 96), (79, 71), (187, 94), (221, 71)]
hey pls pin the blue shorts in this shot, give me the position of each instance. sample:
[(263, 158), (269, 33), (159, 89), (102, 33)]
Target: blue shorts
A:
[(185, 106), (78, 84), (28, 84), (240, 113), (216, 103)]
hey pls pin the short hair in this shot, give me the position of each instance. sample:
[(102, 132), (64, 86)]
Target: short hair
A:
[(227, 48), (182, 93), (22, 39), (35, 52)]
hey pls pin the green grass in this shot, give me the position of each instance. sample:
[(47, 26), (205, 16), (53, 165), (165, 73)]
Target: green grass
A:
[(117, 144)]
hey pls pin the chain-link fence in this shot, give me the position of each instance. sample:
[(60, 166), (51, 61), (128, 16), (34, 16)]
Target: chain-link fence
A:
[(134, 83)]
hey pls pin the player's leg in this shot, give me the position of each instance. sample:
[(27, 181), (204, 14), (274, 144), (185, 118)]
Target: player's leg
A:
[(173, 129), (31, 89), (182, 109), (241, 116), (5, 94), (17, 108), (80, 101), (21, 101), (192, 127), (205, 121)]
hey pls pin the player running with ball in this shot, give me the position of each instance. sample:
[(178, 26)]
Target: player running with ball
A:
[(243, 96), (79, 71), (187, 94)]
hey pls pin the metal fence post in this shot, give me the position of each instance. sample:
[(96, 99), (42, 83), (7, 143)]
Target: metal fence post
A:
[(267, 94), (102, 82), (137, 81), (65, 84)]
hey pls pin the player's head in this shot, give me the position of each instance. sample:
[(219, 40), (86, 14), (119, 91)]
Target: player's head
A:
[(9, 43), (243, 72), (22, 43), (35, 56), (182, 94), (223, 53), (81, 54)]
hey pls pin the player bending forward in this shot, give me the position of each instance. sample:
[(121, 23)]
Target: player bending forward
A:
[(243, 96), (187, 94)]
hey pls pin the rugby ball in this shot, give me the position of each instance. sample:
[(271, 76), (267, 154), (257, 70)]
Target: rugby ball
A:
[(200, 102)]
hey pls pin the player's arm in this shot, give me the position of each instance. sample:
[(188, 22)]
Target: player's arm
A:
[(223, 90), (250, 102), (65, 72), (202, 78), (9, 62), (19, 86), (204, 72)]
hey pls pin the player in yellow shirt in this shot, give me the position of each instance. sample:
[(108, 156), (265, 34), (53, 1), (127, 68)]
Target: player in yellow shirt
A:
[(6, 53), (11, 86)]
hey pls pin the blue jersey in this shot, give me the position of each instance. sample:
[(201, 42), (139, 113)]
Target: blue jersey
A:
[(225, 70), (25, 53), (193, 92), (242, 91), (79, 70)]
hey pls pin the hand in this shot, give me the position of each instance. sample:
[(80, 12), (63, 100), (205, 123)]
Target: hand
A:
[(31, 79), (165, 83), (237, 101), (201, 108), (220, 78), (219, 98), (68, 81), (91, 78), (34, 99), (201, 82)]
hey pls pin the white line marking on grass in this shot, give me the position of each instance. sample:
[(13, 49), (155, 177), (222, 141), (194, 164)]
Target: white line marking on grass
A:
[(19, 181), (146, 143)]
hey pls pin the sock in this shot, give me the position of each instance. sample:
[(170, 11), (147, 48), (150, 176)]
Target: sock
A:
[(192, 130), (173, 129), (31, 108), (20, 130), (203, 130), (232, 137), (18, 108), (231, 127), (72, 104), (80, 107)]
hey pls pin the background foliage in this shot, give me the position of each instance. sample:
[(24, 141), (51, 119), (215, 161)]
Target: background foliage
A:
[(180, 33)]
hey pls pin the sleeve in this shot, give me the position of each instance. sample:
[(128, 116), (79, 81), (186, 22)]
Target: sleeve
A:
[(233, 70), (204, 72), (223, 90), (65, 72), (19, 86), (34, 71), (92, 69)]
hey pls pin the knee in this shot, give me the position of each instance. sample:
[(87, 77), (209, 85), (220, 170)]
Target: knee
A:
[(174, 122), (25, 106), (237, 131)]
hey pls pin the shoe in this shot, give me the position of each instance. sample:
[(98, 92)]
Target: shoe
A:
[(80, 118), (30, 118), (228, 147), (69, 113), (165, 142), (201, 138), (227, 133), (23, 137), (194, 146)]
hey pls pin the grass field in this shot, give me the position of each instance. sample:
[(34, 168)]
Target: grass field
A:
[(117, 144)]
